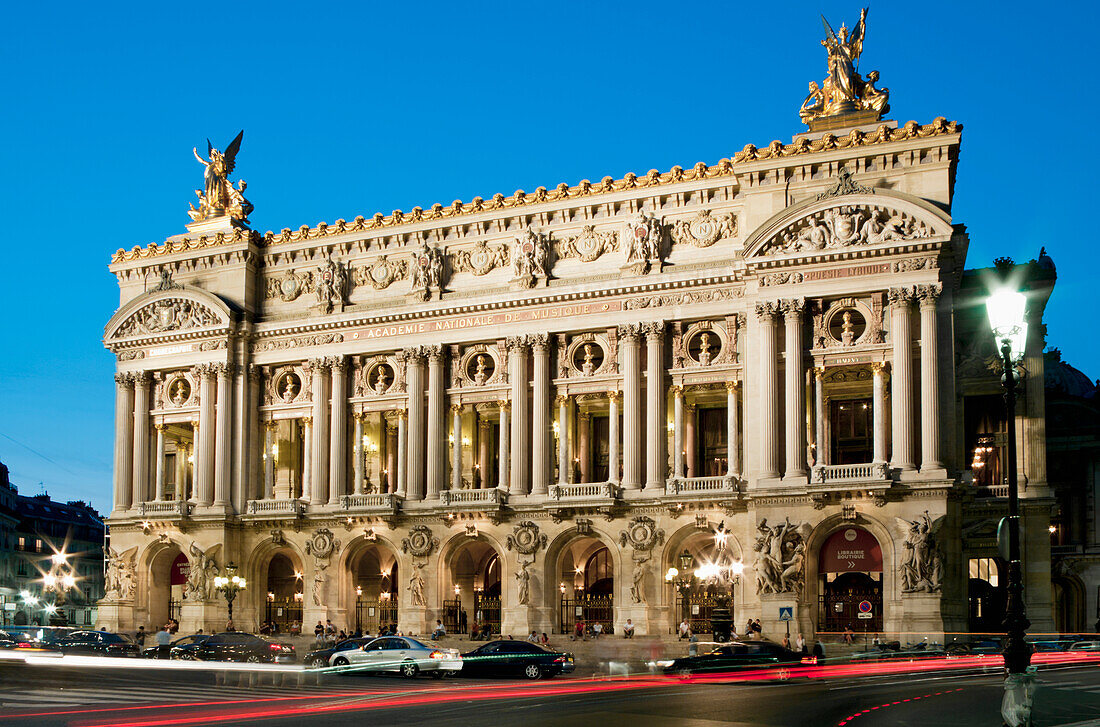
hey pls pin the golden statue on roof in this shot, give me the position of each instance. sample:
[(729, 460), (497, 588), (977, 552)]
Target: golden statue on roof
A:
[(219, 197), (845, 92)]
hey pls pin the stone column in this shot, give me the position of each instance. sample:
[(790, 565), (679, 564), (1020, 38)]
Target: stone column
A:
[(820, 445), (159, 462), (584, 446), (613, 436), (181, 472), (733, 431), (141, 439), (319, 434), (223, 452), (633, 464), (243, 438), (879, 412), (204, 437), (795, 393), (691, 444), (768, 419), (929, 381), (540, 415), (307, 461), (902, 385), (360, 452), (338, 433), (484, 455), (563, 439), (436, 440), (391, 455), (502, 451), (656, 428), (124, 440), (415, 451), (517, 374), (456, 447), (402, 454), (677, 432), (269, 463)]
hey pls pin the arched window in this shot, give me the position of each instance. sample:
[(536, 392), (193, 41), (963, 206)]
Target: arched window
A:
[(598, 574)]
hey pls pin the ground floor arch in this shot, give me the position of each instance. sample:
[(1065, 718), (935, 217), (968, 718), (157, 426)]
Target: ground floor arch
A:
[(584, 567), (282, 581), (472, 586), (702, 570), (850, 582), (1068, 605), (373, 587), (166, 588)]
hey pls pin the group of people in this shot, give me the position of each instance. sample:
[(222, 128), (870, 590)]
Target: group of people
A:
[(327, 634)]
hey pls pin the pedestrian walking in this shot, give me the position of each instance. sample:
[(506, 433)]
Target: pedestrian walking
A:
[(162, 637), (800, 644), (462, 621)]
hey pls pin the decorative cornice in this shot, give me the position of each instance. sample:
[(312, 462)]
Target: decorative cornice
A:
[(724, 168)]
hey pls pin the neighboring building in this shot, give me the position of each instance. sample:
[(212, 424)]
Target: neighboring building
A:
[(9, 593), (37, 586), (527, 408)]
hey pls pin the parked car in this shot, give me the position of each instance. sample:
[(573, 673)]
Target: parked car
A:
[(236, 646), (30, 638), (401, 654), (323, 657), (516, 658), (159, 651), (1084, 646), (97, 643), (1056, 645), (732, 656), (975, 648)]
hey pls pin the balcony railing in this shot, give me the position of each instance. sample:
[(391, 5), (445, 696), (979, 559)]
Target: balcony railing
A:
[(688, 485), (991, 491), (374, 502), (166, 508), (585, 491), (842, 473), (275, 507), (491, 497)]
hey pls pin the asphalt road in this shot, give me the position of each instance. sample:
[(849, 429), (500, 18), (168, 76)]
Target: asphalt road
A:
[(82, 698)]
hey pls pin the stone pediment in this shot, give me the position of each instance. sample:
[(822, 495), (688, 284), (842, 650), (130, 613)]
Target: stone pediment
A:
[(164, 312), (831, 222)]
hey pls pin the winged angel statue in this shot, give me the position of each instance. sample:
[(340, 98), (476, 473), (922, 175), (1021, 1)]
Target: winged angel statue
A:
[(119, 580), (219, 197), (922, 564), (844, 90)]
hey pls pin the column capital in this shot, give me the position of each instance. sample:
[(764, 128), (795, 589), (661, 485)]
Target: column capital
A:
[(561, 399), (677, 390), (306, 421), (412, 355), (733, 386), (614, 396), (457, 408), (224, 369), (901, 296), (434, 353), (654, 330), (125, 380), (766, 310), (540, 342), (516, 344), (255, 373), (819, 372), (270, 424), (337, 363), (792, 307), (159, 426), (315, 365), (142, 378), (504, 405), (878, 367), (928, 294), (630, 332), (585, 416), (204, 370)]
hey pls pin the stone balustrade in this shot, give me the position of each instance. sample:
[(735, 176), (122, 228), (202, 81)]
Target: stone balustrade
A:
[(846, 473), (165, 508)]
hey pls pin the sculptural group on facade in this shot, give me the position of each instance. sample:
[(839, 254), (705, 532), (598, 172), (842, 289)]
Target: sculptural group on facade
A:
[(643, 243), (922, 564), (530, 258), (848, 225), (219, 197), (118, 582), (332, 286), (523, 583), (780, 555), (200, 578), (844, 89), (426, 272)]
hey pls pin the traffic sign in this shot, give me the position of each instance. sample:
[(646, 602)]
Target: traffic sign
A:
[(864, 615), (865, 607), (786, 613)]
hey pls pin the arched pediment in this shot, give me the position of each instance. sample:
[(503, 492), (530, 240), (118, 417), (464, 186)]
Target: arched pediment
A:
[(832, 222), (168, 310)]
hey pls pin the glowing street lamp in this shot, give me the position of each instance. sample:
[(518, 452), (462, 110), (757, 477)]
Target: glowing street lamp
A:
[(229, 583)]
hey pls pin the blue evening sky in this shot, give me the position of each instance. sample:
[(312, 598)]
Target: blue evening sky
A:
[(372, 107)]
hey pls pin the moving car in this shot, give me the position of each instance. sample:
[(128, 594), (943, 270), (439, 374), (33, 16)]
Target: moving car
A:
[(158, 651), (323, 657), (1084, 646), (733, 656), (97, 643), (401, 654), (236, 646), (516, 658)]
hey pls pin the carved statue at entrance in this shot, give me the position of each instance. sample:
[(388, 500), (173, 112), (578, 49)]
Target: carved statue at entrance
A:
[(200, 579), (922, 564), (416, 585), (637, 577), (119, 581), (780, 557), (523, 581)]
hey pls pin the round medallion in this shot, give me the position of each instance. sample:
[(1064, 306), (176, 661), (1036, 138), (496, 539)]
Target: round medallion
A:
[(850, 535)]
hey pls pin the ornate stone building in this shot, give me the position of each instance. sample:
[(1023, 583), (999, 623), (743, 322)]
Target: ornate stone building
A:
[(522, 410)]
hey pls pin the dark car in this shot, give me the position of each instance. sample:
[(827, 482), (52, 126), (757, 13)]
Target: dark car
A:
[(30, 638), (236, 646), (321, 657), (164, 651), (97, 643), (516, 658), (977, 647), (733, 656)]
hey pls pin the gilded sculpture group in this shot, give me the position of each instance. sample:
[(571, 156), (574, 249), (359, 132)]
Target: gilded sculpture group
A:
[(845, 90)]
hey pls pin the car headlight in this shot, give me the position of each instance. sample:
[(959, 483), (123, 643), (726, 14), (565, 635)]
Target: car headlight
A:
[(665, 663)]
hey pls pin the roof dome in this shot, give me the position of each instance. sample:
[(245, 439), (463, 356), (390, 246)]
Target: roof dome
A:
[(1065, 379)]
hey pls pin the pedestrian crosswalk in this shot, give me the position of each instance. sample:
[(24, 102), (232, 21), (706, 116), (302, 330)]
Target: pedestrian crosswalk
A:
[(60, 697)]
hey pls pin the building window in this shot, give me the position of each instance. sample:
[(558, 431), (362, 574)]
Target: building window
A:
[(22, 543), (984, 569), (38, 545)]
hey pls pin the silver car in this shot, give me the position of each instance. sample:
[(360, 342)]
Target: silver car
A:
[(400, 654)]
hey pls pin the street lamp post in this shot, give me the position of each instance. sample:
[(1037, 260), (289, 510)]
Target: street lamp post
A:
[(58, 580), (1006, 318), (230, 584)]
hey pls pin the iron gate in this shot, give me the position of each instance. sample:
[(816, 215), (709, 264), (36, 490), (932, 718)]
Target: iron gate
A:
[(370, 616), (600, 609), (487, 611), (284, 612)]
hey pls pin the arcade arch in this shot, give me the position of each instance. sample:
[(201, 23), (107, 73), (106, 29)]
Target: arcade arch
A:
[(167, 572), (699, 565), (850, 581), (472, 585), (374, 585), (585, 568)]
